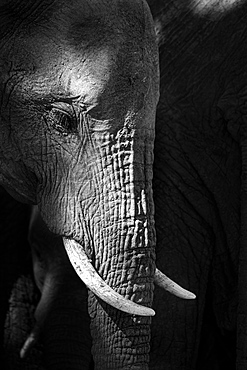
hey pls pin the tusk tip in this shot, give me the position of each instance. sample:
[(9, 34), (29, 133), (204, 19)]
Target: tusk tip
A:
[(151, 312), (190, 295), (166, 283), (193, 296), (142, 311)]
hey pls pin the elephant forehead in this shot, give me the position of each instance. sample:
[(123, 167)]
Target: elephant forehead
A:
[(68, 54), (65, 73), (88, 78), (44, 67)]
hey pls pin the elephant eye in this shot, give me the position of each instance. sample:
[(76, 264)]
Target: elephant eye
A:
[(62, 122), (62, 117)]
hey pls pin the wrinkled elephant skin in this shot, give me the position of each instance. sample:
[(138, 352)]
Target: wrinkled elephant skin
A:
[(200, 183), (79, 87)]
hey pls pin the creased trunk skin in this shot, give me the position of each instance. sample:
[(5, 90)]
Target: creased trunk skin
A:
[(127, 263)]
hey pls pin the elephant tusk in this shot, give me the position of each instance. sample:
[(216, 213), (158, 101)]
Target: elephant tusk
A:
[(96, 284), (29, 343), (164, 282)]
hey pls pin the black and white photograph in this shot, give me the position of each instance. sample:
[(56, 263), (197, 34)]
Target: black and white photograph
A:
[(123, 184)]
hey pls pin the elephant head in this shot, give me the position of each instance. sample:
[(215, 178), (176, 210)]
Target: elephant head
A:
[(79, 87)]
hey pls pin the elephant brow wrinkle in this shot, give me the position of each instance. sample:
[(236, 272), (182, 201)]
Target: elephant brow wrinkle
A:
[(49, 99)]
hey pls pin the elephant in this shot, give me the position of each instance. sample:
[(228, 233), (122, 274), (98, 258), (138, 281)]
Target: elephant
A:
[(79, 88), (199, 184), (198, 225)]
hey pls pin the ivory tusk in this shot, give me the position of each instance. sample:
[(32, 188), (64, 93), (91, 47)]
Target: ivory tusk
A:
[(164, 282), (29, 344), (97, 285)]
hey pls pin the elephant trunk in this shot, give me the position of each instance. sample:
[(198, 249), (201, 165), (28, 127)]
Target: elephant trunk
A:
[(124, 253), (116, 220)]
